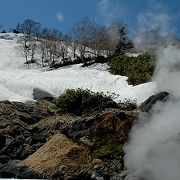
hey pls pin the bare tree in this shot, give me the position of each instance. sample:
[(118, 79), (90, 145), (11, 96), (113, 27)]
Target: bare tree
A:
[(65, 44), (31, 33), (100, 40), (83, 32), (73, 45), (50, 46)]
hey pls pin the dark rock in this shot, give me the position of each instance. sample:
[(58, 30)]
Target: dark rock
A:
[(36, 146), (78, 128), (96, 114), (8, 171), (39, 94), (2, 141), (23, 107), (1, 166), (111, 104), (38, 138), (4, 159), (11, 170), (27, 119), (82, 176), (15, 150), (77, 134), (148, 104), (28, 174), (23, 146)]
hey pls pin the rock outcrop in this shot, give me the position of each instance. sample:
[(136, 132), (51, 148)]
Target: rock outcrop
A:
[(147, 105), (37, 141), (60, 157)]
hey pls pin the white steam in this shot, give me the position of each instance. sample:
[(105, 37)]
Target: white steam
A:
[(153, 152), (167, 73), (154, 29), (110, 10), (152, 20)]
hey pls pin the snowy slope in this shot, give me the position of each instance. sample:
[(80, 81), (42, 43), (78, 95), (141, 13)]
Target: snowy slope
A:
[(17, 81)]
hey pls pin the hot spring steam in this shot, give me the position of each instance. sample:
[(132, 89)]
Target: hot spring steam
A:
[(153, 152)]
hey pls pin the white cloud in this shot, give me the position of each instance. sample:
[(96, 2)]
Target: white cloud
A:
[(60, 16)]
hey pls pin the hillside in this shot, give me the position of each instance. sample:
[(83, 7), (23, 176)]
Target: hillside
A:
[(17, 81)]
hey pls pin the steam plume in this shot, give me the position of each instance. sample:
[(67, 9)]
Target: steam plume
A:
[(153, 151)]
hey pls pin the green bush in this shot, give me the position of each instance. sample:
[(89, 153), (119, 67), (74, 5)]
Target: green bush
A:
[(110, 150), (78, 101), (138, 69)]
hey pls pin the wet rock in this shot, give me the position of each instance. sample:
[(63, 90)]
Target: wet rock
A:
[(148, 104)]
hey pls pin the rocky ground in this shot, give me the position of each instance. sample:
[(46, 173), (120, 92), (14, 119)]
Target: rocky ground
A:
[(38, 141)]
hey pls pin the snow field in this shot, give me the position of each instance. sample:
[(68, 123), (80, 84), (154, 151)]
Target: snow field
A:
[(17, 81)]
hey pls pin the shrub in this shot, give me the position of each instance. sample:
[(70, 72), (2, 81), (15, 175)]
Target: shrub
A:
[(77, 60), (100, 59), (78, 101), (138, 69), (127, 105), (110, 150)]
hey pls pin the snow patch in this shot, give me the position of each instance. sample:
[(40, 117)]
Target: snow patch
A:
[(17, 81)]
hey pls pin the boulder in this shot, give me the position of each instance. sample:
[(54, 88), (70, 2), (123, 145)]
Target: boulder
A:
[(39, 94), (147, 105)]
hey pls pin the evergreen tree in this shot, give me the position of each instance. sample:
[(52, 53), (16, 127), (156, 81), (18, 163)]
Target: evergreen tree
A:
[(124, 43)]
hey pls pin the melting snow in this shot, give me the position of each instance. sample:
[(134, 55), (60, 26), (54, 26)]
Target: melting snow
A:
[(17, 81)]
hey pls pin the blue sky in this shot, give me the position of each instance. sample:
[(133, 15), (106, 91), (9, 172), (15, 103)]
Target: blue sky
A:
[(62, 14)]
